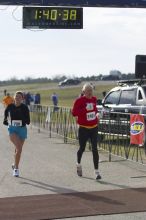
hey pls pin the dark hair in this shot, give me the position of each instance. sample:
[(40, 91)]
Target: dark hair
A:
[(19, 93)]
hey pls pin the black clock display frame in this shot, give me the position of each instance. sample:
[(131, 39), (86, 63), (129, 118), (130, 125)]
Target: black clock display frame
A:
[(52, 17)]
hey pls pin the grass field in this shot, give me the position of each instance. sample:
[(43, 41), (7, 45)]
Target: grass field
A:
[(66, 95)]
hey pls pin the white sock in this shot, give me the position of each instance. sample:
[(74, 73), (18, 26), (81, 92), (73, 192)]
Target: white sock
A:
[(78, 164), (96, 171)]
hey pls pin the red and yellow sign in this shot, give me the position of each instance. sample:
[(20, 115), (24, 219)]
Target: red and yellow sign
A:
[(137, 129)]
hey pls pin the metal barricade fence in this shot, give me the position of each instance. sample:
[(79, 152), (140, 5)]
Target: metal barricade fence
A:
[(113, 131)]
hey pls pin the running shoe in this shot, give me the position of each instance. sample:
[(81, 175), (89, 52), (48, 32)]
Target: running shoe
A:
[(98, 176), (15, 172), (79, 170)]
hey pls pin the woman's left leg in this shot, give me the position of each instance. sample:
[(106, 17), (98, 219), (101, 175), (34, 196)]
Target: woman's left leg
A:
[(18, 143), (93, 138)]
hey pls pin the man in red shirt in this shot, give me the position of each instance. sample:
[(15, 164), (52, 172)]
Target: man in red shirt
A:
[(85, 110)]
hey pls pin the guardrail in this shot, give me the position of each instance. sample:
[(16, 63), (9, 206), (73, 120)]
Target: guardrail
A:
[(113, 136)]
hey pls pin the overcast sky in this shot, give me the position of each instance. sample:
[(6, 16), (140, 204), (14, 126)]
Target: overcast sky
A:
[(110, 39)]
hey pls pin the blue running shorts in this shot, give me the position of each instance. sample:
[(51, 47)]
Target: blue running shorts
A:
[(20, 131)]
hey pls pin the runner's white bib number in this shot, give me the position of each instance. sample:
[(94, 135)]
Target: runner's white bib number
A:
[(91, 116), (16, 123)]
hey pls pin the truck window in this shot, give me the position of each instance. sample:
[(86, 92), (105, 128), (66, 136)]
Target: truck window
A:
[(144, 89), (139, 95), (112, 98), (128, 97)]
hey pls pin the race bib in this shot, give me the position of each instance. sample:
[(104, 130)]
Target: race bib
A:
[(91, 116), (16, 123)]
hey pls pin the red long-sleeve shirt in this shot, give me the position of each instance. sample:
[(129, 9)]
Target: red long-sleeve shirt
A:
[(85, 110)]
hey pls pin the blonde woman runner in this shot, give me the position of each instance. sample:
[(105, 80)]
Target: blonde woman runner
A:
[(85, 110)]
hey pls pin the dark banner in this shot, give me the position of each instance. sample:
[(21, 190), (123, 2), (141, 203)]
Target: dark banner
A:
[(82, 3)]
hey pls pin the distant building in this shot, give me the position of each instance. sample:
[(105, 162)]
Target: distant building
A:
[(115, 73)]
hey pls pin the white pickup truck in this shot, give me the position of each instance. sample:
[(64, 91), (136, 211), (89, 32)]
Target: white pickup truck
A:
[(127, 97)]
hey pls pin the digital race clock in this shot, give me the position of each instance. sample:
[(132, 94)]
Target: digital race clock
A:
[(53, 17)]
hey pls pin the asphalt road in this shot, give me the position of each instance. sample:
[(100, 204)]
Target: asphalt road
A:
[(48, 166)]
